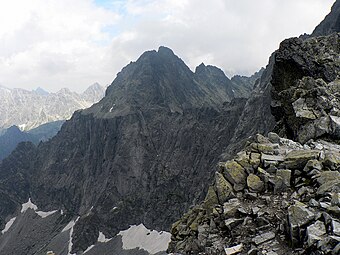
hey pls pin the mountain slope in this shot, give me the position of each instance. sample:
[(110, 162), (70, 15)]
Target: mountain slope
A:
[(29, 109), (144, 150), (10, 139), (331, 23)]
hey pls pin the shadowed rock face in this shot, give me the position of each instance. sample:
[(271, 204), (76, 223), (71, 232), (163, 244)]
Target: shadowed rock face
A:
[(144, 153), (331, 23), (306, 88)]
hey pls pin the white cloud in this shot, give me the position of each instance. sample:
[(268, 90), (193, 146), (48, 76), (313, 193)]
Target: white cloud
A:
[(61, 43)]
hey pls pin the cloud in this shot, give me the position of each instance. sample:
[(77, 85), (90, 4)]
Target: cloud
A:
[(60, 43)]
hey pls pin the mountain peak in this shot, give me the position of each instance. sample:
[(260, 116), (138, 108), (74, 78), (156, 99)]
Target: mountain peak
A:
[(41, 91), (165, 51)]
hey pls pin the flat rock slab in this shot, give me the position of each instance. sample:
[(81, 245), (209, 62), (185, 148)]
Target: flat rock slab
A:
[(263, 238)]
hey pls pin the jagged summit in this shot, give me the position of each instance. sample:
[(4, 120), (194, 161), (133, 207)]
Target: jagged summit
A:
[(331, 23), (160, 79), (41, 91)]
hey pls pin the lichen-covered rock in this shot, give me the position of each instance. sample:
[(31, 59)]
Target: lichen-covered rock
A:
[(254, 183), (300, 203), (224, 189), (235, 174)]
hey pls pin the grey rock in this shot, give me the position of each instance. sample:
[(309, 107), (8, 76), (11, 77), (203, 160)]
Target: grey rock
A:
[(315, 232), (263, 238), (285, 175), (273, 137), (234, 249), (336, 227), (230, 207)]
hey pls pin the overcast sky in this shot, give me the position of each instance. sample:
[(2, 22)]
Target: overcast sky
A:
[(63, 43)]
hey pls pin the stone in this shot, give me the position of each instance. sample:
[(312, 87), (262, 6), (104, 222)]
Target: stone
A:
[(335, 125), (255, 159), (272, 158), (234, 249), (211, 199), (224, 189), (273, 137), (302, 111), (332, 160), (235, 173), (336, 227), (312, 165), (298, 158), (330, 186), (232, 222), (315, 232), (285, 175), (327, 176), (230, 207), (298, 216), (263, 238), (254, 183), (335, 198), (336, 250), (264, 148), (312, 202)]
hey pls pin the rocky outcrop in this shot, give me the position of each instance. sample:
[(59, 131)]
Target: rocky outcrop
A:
[(306, 88), (277, 197)]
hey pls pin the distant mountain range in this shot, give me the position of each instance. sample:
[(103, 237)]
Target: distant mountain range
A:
[(30, 109)]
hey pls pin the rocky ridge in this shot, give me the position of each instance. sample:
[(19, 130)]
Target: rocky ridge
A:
[(245, 210), (275, 197)]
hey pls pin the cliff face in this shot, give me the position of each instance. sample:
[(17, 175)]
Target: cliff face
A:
[(245, 210)]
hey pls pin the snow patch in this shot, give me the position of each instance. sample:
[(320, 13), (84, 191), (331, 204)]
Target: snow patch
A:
[(88, 249), (8, 225), (32, 206), (22, 127), (102, 238), (70, 227), (28, 205), (45, 214), (141, 237)]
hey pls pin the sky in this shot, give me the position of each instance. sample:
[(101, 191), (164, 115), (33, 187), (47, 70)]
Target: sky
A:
[(61, 43)]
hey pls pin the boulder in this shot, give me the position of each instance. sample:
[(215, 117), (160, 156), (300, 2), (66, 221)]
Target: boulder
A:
[(298, 216), (224, 189), (315, 232), (286, 176), (211, 199), (332, 160), (235, 173), (336, 227), (230, 207), (298, 158), (328, 176), (254, 183)]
